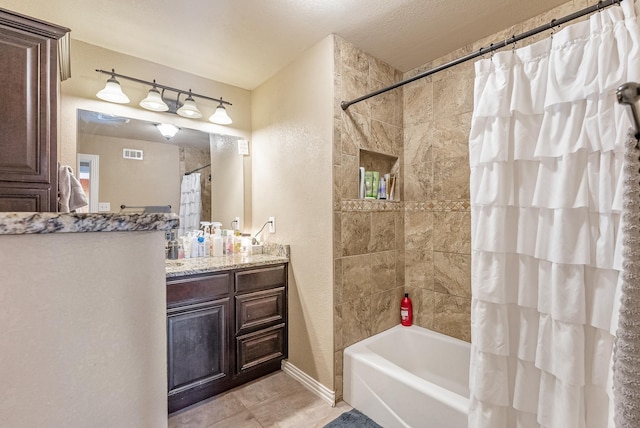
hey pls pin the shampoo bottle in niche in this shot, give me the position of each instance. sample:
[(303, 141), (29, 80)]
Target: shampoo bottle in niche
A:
[(406, 311)]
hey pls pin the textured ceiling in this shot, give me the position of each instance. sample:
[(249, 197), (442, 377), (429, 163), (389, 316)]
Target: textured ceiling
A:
[(244, 42)]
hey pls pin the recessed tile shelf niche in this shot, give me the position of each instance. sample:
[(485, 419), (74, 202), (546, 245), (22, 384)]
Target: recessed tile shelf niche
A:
[(384, 164)]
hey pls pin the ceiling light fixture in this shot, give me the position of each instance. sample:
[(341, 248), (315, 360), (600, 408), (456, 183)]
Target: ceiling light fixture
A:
[(220, 116), (167, 130), (156, 101), (112, 91)]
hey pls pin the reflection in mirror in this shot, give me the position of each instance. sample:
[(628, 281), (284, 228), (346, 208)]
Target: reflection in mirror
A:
[(127, 162)]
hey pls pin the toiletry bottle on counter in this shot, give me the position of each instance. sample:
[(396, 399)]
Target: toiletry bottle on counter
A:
[(172, 254), (406, 311), (200, 246), (229, 242), (207, 245), (217, 244), (245, 244)]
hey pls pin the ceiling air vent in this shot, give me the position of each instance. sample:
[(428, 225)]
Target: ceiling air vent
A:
[(132, 154)]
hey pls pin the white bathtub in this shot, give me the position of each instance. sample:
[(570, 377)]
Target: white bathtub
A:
[(409, 377)]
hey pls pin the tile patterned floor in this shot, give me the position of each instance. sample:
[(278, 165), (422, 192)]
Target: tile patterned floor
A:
[(276, 400)]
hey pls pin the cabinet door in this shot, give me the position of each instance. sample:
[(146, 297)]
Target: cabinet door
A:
[(22, 199), (197, 345), (27, 94)]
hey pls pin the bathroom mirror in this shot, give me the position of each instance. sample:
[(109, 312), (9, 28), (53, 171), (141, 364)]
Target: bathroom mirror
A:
[(128, 162)]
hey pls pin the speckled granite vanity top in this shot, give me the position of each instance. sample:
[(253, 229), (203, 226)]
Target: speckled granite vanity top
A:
[(45, 222), (273, 254)]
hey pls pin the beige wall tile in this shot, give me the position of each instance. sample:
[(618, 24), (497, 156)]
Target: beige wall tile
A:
[(383, 107), (356, 132), (418, 142), (337, 234), (356, 277), (385, 310), (337, 141), (452, 316), (451, 135), (338, 361), (383, 231), (348, 177), (383, 271), (418, 184), (450, 177), (337, 281), (418, 103), (452, 274), (418, 230), (419, 268), (354, 85), (385, 138), (356, 321), (399, 219), (452, 96), (452, 232), (382, 72), (338, 328), (356, 233), (422, 302), (354, 57)]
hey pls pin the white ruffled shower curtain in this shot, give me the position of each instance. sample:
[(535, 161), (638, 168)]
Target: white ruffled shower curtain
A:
[(190, 203), (546, 153)]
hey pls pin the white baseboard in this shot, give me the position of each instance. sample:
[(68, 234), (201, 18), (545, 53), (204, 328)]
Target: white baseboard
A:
[(310, 383)]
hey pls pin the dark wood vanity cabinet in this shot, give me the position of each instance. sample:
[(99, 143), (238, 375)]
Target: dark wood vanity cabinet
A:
[(28, 113), (223, 330)]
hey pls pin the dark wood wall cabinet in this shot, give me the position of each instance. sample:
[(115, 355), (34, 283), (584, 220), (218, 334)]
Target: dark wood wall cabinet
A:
[(224, 329), (28, 113)]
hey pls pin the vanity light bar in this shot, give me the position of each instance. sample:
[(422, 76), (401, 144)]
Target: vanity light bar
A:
[(215, 118)]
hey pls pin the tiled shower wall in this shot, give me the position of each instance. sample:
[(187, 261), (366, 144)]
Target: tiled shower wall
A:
[(437, 119), (368, 235)]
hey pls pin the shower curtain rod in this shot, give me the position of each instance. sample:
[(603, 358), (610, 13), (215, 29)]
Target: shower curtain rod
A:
[(492, 47), (195, 170)]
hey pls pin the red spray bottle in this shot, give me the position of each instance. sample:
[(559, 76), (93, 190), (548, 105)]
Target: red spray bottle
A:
[(406, 311)]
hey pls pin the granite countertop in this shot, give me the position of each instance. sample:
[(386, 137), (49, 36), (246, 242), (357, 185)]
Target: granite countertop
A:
[(19, 223), (272, 254), (183, 267)]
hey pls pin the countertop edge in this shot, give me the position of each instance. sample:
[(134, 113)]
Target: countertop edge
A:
[(23, 223), (214, 265)]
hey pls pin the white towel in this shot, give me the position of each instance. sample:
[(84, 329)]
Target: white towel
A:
[(70, 193), (626, 367)]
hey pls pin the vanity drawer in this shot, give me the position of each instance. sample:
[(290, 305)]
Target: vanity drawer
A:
[(259, 309), (259, 347), (258, 279), (197, 289)]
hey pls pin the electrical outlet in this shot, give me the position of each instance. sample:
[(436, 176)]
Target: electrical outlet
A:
[(272, 225), (104, 207), (236, 221)]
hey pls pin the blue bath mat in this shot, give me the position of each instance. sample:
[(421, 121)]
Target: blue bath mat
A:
[(352, 419)]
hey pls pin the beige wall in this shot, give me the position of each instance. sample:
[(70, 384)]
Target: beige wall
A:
[(292, 143), (79, 93), (154, 180), (83, 330)]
